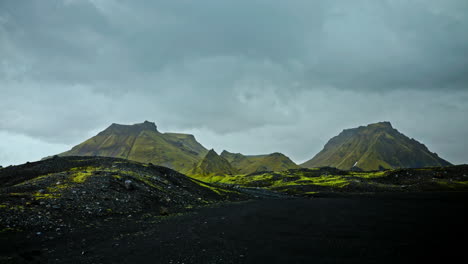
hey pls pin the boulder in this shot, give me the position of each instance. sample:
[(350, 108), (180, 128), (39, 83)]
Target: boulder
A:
[(128, 185)]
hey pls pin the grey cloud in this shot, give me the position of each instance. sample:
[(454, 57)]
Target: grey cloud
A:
[(361, 44), (248, 75)]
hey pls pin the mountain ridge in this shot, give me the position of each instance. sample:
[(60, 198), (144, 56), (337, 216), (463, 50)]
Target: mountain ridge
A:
[(213, 165), (372, 147), (247, 164)]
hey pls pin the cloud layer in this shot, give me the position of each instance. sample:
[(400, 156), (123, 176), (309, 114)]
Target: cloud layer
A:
[(248, 76)]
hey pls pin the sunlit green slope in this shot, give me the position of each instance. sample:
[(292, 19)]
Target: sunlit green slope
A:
[(143, 143)]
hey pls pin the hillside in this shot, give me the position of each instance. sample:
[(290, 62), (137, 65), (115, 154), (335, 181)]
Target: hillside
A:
[(326, 180), (374, 147), (42, 194), (251, 164), (143, 143), (213, 164)]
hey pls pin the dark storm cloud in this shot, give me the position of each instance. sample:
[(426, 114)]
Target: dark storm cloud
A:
[(358, 44), (234, 70)]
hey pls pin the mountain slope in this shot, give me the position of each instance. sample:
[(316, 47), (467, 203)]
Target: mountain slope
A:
[(42, 194), (213, 164), (373, 147), (143, 143), (250, 164)]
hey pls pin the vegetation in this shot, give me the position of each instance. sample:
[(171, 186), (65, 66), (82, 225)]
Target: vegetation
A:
[(327, 179), (251, 164), (374, 147), (143, 143), (41, 193), (213, 164)]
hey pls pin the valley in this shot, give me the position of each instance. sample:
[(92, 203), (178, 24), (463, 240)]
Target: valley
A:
[(132, 194)]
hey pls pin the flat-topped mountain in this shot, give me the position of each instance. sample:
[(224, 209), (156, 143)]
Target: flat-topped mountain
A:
[(143, 143), (250, 164), (373, 147), (213, 164)]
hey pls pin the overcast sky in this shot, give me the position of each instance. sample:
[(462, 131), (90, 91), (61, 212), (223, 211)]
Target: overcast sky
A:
[(250, 76)]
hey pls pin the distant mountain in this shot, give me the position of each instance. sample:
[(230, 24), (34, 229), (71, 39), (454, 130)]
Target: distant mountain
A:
[(143, 143), (213, 164), (250, 164), (373, 147)]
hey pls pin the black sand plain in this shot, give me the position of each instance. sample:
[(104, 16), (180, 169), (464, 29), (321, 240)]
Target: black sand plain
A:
[(370, 228)]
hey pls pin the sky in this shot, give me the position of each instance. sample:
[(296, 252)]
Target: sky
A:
[(249, 76)]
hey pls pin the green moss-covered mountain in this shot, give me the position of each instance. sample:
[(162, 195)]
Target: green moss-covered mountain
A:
[(213, 164), (143, 143), (250, 164), (373, 147)]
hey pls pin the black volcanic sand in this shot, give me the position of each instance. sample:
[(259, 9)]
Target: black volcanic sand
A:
[(381, 228)]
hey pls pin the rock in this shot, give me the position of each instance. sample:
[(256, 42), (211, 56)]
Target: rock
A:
[(163, 210), (128, 185), (41, 191)]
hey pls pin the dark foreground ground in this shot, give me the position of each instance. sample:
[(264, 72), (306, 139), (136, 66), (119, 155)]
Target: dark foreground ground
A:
[(382, 228)]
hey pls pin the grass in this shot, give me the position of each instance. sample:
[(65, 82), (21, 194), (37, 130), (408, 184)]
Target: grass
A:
[(279, 179), (310, 177), (452, 184), (217, 190), (369, 175), (38, 195), (80, 177)]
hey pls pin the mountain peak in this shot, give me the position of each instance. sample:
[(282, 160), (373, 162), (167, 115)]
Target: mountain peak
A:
[(383, 124), (225, 152), (213, 164), (143, 143), (212, 152), (148, 125), (135, 128), (374, 147)]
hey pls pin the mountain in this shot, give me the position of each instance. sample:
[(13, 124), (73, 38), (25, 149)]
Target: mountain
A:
[(143, 143), (213, 164), (250, 164), (373, 147)]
